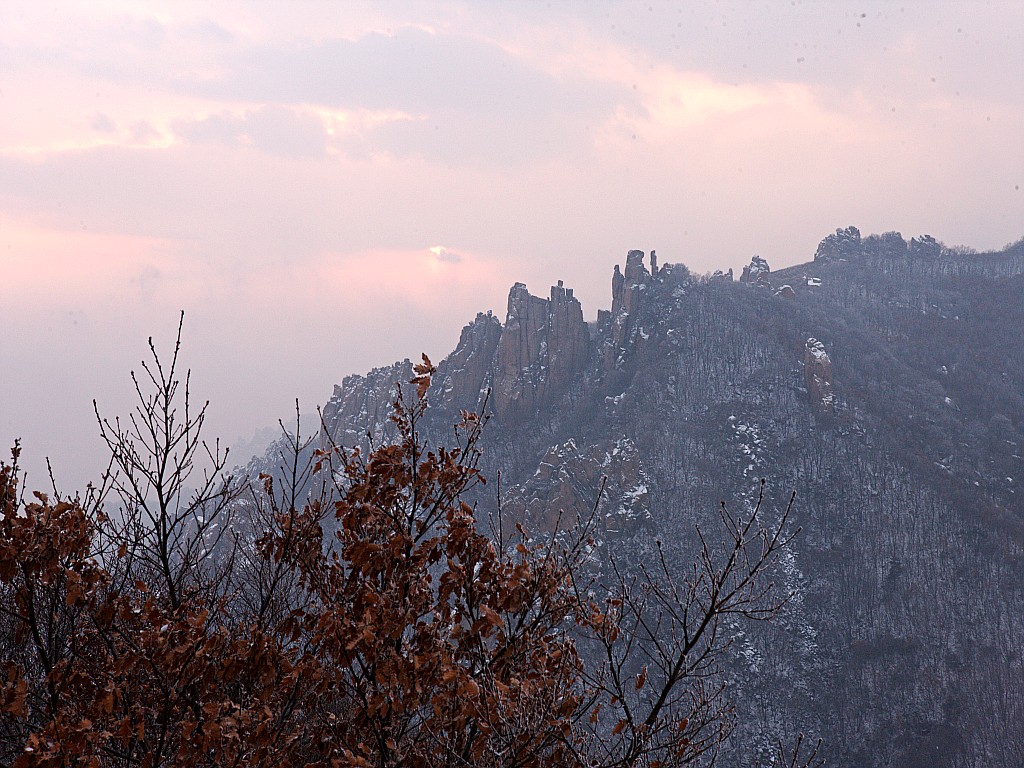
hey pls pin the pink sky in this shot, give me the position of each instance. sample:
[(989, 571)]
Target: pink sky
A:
[(282, 172)]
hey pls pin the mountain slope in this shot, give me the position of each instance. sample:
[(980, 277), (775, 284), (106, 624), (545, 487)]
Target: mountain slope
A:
[(883, 382)]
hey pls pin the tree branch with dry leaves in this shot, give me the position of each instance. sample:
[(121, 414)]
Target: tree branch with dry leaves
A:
[(366, 622)]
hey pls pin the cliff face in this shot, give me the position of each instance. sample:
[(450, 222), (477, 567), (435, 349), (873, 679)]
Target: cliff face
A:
[(569, 480), (568, 338), (544, 343), (523, 366), (818, 375), (628, 289), (627, 286), (362, 404), (465, 376), (886, 387)]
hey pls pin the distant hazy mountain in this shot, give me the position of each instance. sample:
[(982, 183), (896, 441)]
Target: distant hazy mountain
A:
[(883, 382)]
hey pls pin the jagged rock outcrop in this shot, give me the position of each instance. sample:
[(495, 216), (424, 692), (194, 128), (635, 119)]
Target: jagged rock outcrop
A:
[(925, 247), (628, 287), (544, 343), (847, 244), (718, 276), (520, 371), (756, 273), (363, 403), (818, 375), (464, 377), (568, 338)]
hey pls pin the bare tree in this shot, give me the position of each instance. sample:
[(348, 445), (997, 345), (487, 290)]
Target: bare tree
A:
[(369, 623), (175, 497)]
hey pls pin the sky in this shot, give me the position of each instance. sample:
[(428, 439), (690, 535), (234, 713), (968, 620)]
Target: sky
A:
[(325, 187)]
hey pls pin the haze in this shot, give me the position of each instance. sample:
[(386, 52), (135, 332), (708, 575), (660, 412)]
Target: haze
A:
[(325, 187)]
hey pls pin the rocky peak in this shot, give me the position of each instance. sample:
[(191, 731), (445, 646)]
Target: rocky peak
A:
[(718, 276), (756, 272), (846, 244), (618, 288), (627, 287), (635, 269), (545, 342), (925, 246), (818, 375), (464, 376)]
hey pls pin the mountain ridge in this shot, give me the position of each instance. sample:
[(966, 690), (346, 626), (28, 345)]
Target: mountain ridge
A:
[(883, 381)]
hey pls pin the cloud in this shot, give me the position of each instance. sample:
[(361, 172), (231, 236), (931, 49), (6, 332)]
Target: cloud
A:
[(447, 97), (443, 254), (412, 70), (277, 130), (143, 133), (103, 123)]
